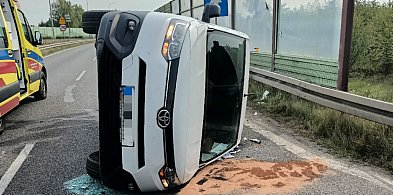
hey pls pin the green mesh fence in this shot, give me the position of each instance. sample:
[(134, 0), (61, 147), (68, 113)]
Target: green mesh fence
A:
[(317, 71), (167, 8), (262, 61), (69, 33)]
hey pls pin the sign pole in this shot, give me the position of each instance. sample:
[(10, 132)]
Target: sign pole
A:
[(51, 19)]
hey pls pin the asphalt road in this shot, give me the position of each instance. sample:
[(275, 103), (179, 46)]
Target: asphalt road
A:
[(63, 128), (61, 131)]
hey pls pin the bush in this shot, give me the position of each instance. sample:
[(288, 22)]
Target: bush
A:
[(372, 49)]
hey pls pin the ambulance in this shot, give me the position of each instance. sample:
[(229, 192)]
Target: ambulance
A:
[(22, 70), (172, 96)]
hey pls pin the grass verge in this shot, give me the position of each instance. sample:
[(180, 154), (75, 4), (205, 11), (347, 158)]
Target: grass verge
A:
[(376, 87), (343, 133)]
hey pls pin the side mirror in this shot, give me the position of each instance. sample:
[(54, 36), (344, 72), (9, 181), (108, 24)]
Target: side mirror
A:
[(38, 38), (211, 11)]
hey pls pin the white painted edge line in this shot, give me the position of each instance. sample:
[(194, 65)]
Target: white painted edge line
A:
[(302, 153), (53, 54), (80, 76), (9, 175)]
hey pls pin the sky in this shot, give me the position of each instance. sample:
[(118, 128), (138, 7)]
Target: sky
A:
[(38, 10), (298, 3)]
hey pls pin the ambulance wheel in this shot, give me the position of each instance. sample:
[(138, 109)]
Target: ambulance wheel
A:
[(2, 126), (91, 20), (43, 91), (93, 165)]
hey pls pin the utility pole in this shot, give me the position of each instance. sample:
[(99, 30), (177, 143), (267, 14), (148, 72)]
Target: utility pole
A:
[(345, 44), (51, 19)]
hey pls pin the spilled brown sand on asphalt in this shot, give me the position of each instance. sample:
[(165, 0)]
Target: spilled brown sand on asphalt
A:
[(254, 177)]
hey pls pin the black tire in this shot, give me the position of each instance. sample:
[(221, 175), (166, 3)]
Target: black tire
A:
[(91, 20), (93, 165), (43, 91), (2, 125)]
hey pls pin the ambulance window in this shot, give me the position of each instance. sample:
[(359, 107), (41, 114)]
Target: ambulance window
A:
[(26, 27), (3, 35)]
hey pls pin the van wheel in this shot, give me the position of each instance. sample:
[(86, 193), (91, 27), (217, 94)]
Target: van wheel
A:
[(91, 20), (2, 126), (93, 165), (43, 91)]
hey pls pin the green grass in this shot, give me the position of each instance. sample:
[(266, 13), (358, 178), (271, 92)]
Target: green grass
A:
[(376, 87), (343, 133)]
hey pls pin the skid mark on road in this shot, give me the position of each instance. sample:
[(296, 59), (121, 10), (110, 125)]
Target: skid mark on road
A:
[(9, 175), (68, 96)]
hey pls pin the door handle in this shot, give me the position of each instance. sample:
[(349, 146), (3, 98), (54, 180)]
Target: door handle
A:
[(19, 74), (10, 53), (249, 94)]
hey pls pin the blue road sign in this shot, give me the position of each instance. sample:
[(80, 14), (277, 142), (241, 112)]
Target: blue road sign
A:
[(222, 3)]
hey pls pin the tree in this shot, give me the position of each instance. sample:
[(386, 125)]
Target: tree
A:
[(44, 24), (64, 7), (372, 49)]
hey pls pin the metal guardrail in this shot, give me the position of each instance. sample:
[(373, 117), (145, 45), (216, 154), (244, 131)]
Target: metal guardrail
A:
[(366, 108)]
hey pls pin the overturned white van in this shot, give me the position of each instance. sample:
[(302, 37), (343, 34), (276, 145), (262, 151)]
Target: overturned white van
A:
[(172, 97)]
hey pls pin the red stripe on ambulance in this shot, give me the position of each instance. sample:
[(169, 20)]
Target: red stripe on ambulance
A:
[(9, 106), (7, 67)]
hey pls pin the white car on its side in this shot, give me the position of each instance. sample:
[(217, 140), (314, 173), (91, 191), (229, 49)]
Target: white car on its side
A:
[(172, 97)]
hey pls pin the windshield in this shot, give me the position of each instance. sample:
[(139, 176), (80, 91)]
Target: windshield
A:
[(224, 93)]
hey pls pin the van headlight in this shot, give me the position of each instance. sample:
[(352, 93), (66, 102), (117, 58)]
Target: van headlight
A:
[(168, 177), (174, 39)]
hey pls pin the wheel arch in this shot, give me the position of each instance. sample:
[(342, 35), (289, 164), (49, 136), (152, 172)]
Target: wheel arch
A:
[(43, 70)]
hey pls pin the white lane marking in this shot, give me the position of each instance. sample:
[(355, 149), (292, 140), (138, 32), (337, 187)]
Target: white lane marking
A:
[(68, 96), (302, 153), (95, 58), (80, 76), (9, 175), (53, 54)]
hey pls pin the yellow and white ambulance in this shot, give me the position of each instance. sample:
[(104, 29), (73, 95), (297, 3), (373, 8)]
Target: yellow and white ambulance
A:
[(22, 70)]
